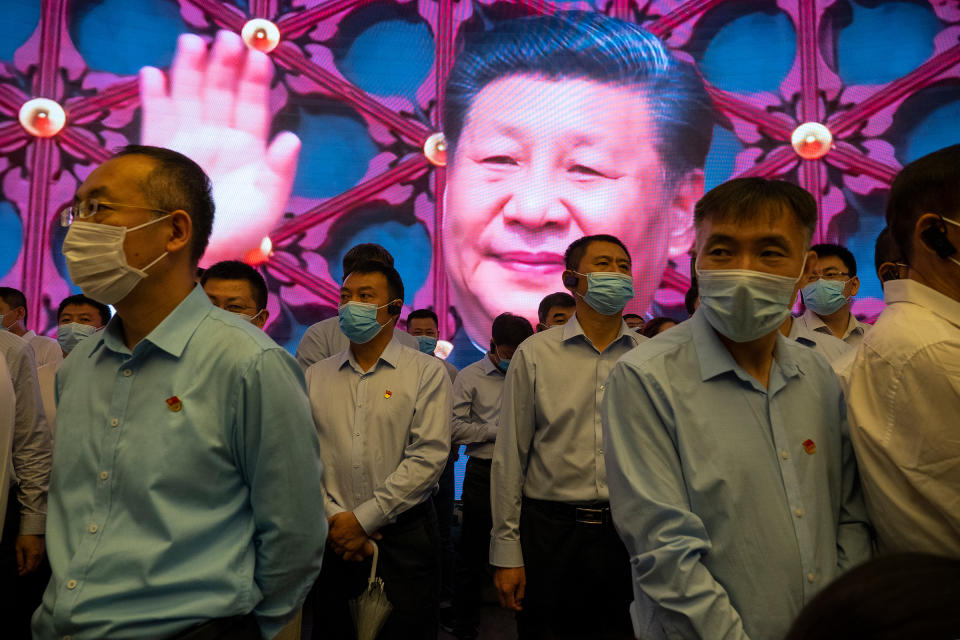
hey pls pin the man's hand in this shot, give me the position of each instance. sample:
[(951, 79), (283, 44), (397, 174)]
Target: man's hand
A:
[(348, 538), (30, 550), (511, 583), (217, 113)]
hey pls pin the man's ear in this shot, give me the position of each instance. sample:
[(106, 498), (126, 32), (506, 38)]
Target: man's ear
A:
[(687, 190), (261, 320), (854, 285), (181, 234)]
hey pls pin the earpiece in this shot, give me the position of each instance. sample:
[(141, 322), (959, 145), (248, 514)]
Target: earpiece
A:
[(936, 238), (394, 308), (570, 281)]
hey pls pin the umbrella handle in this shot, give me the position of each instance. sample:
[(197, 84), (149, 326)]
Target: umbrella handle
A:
[(373, 564)]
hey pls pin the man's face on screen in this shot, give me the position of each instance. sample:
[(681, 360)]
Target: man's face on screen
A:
[(540, 163)]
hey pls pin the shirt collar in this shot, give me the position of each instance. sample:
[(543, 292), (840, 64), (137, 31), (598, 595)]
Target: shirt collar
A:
[(29, 334), (816, 323), (921, 295), (572, 329), (389, 355), (488, 367), (715, 359), (171, 335)]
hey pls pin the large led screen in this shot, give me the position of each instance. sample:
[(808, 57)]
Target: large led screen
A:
[(558, 120)]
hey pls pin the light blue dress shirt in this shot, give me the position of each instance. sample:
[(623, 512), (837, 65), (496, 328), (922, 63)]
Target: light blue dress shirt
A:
[(186, 481), (476, 407), (731, 521)]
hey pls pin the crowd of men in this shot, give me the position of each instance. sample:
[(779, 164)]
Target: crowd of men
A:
[(697, 479)]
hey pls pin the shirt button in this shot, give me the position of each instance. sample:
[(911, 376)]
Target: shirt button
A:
[(127, 373), (799, 513), (810, 577), (72, 584), (104, 475), (601, 387), (114, 422), (93, 528), (784, 455)]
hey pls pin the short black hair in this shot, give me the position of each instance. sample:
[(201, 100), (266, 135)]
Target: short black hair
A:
[(510, 330), (558, 299), (177, 182), (591, 46), (652, 328), (80, 299), (930, 184), (236, 270), (578, 248), (904, 595), (423, 314), (364, 252), (632, 315), (827, 250), (743, 199), (394, 282), (885, 250), (14, 298)]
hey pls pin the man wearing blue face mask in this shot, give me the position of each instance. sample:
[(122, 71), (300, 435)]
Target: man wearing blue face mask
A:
[(79, 317), (828, 293), (558, 559), (732, 477), (382, 411)]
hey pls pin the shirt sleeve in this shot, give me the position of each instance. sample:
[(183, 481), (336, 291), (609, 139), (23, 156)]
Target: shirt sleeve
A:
[(312, 347), (508, 470), (424, 456), (280, 458), (467, 428), (664, 538), (32, 447), (854, 533)]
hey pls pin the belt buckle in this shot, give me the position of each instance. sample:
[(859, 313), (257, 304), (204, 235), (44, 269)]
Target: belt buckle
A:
[(586, 515)]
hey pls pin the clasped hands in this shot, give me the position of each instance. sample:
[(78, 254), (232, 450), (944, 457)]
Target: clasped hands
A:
[(348, 538)]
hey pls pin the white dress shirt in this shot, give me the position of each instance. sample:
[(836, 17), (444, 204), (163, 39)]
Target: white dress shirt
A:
[(325, 339), (550, 445), (853, 335), (476, 407), (32, 448), (8, 405), (384, 433), (831, 348), (45, 350), (904, 411)]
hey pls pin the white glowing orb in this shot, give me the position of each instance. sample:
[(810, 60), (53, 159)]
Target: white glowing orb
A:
[(811, 140), (435, 148), (42, 117), (261, 35)]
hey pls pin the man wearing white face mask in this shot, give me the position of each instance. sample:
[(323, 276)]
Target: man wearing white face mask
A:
[(904, 385), (558, 559), (732, 478), (383, 414), (237, 287), (184, 493)]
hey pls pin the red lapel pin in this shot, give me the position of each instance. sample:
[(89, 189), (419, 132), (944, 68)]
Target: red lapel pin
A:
[(174, 404), (810, 447)]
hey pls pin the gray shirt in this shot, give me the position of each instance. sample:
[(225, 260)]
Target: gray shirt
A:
[(325, 339), (384, 433), (32, 447), (550, 445), (476, 407)]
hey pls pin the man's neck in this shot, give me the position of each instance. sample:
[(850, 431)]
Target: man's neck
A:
[(786, 327), (756, 357), (368, 353), (930, 277), (150, 303), (601, 330), (838, 321), (18, 330)]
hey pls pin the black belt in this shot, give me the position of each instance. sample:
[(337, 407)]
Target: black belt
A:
[(233, 628), (597, 513)]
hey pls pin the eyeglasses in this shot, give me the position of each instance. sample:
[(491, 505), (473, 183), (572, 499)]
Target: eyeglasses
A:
[(89, 208), (829, 274)]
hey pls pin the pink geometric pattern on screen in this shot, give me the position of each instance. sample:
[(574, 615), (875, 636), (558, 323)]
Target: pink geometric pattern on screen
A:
[(101, 106)]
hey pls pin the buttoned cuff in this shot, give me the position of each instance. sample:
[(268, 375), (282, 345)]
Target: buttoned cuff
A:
[(33, 524), (505, 553), (331, 508), (370, 516)]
